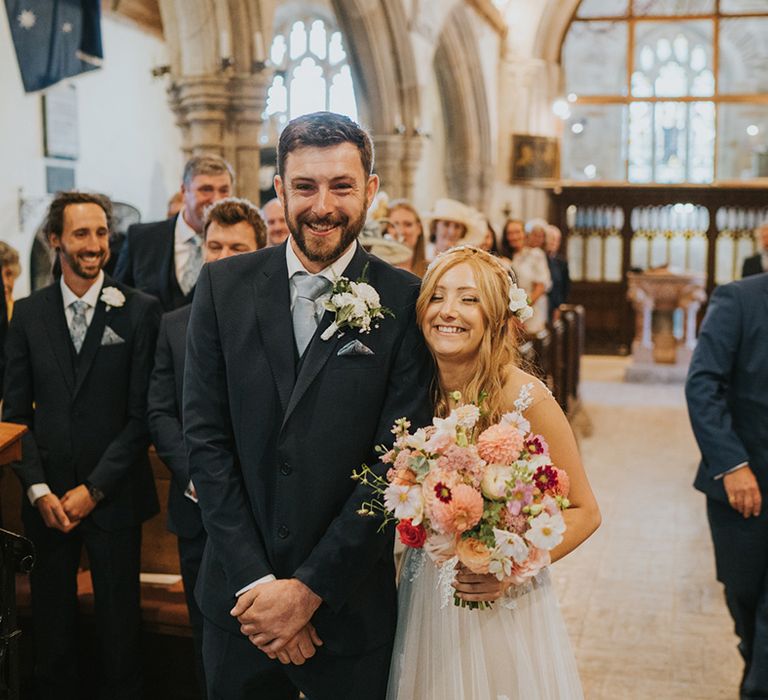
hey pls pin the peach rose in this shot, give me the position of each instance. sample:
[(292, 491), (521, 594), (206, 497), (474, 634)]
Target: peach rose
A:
[(536, 561), (474, 555)]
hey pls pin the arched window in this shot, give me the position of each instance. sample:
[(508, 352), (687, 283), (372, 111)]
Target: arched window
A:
[(666, 91), (312, 72)]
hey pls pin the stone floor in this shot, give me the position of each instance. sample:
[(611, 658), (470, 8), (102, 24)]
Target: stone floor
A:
[(646, 616)]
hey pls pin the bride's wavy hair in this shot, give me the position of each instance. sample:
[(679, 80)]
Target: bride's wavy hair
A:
[(497, 348)]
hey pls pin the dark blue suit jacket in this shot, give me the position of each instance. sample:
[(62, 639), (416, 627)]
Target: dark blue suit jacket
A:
[(86, 412), (727, 386), (272, 449), (146, 262), (164, 416)]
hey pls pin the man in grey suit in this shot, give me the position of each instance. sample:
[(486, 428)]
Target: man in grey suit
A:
[(231, 227), (757, 263), (727, 393)]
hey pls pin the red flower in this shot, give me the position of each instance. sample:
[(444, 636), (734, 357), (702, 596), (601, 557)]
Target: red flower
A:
[(412, 535), (546, 478), (443, 492)]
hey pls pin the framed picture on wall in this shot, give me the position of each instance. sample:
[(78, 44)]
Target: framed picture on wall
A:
[(534, 158)]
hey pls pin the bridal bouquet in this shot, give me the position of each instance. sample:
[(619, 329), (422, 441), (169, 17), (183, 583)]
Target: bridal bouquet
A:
[(491, 498)]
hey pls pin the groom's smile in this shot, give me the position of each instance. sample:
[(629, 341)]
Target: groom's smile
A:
[(325, 193)]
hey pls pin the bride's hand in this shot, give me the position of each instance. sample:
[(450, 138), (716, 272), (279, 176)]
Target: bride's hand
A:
[(478, 587)]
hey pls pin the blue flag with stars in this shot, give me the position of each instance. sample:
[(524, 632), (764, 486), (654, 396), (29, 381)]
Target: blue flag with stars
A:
[(55, 39)]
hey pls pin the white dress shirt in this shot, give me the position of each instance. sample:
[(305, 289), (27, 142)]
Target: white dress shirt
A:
[(332, 273), (91, 297)]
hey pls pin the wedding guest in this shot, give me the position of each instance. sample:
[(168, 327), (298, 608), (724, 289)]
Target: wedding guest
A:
[(231, 227), (79, 354), (451, 222), (274, 217), (9, 259), (531, 269), (490, 243), (163, 258), (755, 264), (406, 227), (727, 393), (536, 233), (558, 270)]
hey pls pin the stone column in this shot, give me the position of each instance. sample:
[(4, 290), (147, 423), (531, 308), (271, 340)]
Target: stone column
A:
[(221, 113)]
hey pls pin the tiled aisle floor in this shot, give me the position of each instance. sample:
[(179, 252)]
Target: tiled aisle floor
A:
[(646, 616)]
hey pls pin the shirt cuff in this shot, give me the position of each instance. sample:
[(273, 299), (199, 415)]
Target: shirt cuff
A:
[(732, 469), (37, 491), (264, 579), (189, 492)]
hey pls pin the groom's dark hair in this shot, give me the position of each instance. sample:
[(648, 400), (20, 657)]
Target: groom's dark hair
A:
[(321, 130)]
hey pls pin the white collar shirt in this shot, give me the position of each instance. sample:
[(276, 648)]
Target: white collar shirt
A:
[(331, 273), (91, 297)]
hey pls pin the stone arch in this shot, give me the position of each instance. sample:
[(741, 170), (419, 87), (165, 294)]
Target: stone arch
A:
[(554, 23), (470, 166), (384, 68)]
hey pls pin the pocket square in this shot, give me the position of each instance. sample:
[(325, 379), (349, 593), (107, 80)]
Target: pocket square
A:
[(110, 337), (355, 347)]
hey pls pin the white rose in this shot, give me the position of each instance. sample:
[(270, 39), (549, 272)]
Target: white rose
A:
[(495, 480), (518, 299), (112, 297), (367, 293)]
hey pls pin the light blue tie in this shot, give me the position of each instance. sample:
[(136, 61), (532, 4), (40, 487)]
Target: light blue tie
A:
[(192, 267), (78, 326), (305, 318)]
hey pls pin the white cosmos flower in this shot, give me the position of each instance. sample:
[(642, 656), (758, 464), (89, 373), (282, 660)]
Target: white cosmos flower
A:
[(516, 420), (405, 502), (546, 531), (510, 544)]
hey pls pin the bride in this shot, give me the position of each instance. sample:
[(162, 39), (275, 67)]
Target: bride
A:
[(519, 648)]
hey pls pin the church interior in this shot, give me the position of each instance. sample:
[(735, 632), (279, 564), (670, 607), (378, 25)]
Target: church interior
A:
[(637, 127)]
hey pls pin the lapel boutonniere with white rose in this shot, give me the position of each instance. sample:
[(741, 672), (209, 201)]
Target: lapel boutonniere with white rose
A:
[(112, 297), (355, 305)]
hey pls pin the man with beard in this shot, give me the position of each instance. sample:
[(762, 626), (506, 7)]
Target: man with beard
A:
[(163, 258), (297, 589), (79, 354)]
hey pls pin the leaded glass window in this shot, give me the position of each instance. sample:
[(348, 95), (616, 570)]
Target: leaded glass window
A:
[(312, 73), (666, 91)]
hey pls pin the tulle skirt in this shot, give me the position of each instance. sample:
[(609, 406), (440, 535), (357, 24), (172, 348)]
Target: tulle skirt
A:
[(517, 650)]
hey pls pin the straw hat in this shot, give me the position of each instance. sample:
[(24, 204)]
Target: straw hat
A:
[(453, 210), (373, 240)]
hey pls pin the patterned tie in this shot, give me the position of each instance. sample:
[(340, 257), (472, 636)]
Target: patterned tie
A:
[(308, 289), (192, 267), (78, 326)]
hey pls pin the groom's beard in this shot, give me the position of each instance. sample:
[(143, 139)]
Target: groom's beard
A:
[(319, 250)]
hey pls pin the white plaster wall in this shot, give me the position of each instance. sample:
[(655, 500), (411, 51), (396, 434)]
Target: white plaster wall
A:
[(130, 147)]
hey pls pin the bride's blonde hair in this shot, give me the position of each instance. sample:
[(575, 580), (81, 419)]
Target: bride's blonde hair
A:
[(497, 348)]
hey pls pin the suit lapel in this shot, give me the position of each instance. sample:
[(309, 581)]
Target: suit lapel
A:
[(92, 341), (273, 312), (58, 332), (319, 351), (167, 270)]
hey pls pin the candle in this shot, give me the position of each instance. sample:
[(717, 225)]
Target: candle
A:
[(259, 54), (224, 45)]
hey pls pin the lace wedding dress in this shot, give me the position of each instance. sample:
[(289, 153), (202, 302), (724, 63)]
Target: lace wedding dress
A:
[(517, 650)]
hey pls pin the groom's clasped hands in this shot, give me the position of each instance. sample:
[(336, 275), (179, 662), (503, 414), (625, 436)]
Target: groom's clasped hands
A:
[(275, 616)]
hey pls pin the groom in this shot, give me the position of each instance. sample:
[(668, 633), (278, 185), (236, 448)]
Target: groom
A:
[(297, 589)]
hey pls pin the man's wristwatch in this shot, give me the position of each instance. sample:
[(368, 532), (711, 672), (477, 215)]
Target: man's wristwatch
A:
[(96, 493)]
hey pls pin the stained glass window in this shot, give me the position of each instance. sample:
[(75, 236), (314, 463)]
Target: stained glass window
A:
[(684, 82)]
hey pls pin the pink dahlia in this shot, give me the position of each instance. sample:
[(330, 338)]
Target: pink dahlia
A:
[(463, 460), (563, 483), (463, 511), (500, 444)]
